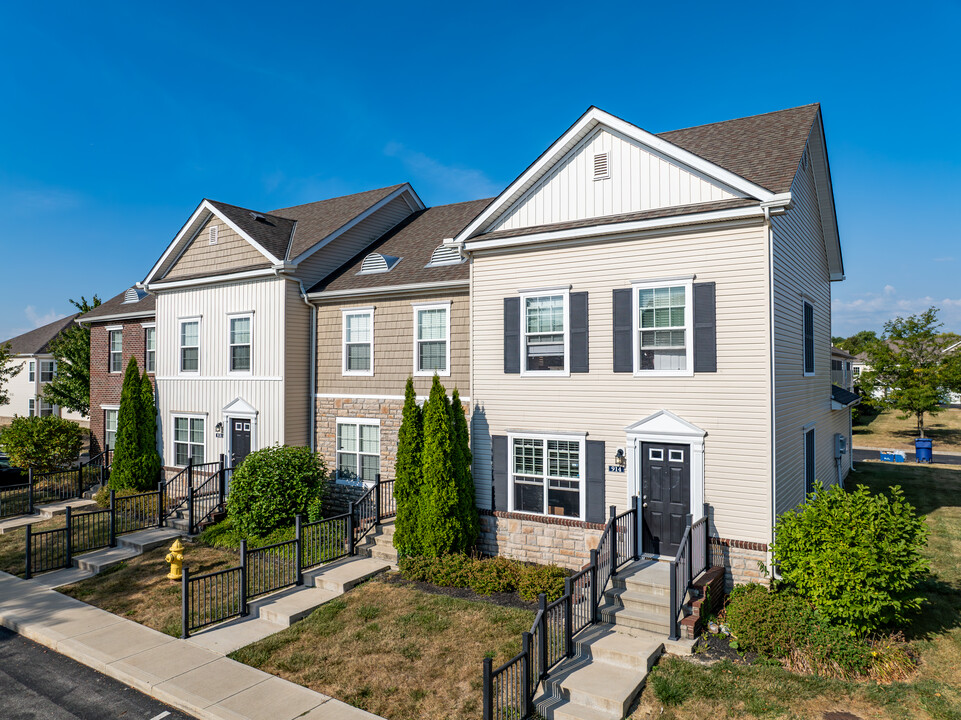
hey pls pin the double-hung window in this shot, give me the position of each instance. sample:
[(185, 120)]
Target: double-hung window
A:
[(46, 409), (663, 313), (240, 343), (190, 346), (32, 371), (358, 450), (115, 340), (48, 369), (432, 339), (358, 341), (150, 348), (31, 407), (547, 475), (544, 331), (110, 426), (808, 338), (188, 440)]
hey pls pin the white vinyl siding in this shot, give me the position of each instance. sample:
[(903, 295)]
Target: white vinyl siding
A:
[(358, 334), (546, 475), (189, 440), (639, 180), (810, 460), (115, 338), (150, 349), (663, 320), (432, 339), (240, 342), (358, 450), (545, 324), (808, 324), (190, 346)]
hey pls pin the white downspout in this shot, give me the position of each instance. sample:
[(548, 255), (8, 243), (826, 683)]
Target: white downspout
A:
[(770, 239)]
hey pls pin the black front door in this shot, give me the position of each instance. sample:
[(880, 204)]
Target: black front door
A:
[(665, 496), (239, 441)]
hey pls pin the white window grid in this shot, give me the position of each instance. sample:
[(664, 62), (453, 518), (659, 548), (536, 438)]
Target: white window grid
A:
[(432, 335), (189, 439), (240, 343), (358, 336), (663, 313), (188, 332), (48, 370), (358, 450), (150, 348), (110, 427), (32, 371), (31, 407), (545, 325), (115, 339), (551, 462)]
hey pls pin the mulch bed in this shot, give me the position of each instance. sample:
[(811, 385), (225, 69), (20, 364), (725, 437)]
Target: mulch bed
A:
[(511, 600), (711, 649)]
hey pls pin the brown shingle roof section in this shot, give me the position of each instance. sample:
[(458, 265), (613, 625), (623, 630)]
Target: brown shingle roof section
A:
[(317, 220), (38, 341), (765, 149), (270, 230), (623, 218), (145, 307), (414, 240)]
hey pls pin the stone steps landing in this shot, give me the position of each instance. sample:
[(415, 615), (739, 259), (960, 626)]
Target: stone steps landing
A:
[(379, 544)]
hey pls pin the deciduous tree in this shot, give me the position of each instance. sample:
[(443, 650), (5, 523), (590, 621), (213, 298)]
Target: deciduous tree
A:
[(70, 387)]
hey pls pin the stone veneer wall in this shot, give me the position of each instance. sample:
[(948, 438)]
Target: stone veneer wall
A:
[(542, 540), (739, 559)]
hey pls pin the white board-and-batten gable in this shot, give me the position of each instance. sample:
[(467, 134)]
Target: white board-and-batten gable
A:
[(603, 166)]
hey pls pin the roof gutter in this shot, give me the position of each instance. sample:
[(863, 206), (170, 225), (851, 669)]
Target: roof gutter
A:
[(390, 289), (117, 316)]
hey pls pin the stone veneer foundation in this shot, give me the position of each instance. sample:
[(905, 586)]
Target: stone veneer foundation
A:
[(742, 561), (542, 540)]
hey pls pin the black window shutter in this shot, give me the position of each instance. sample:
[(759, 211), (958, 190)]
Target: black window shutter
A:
[(580, 354), (705, 328), (623, 331), (809, 462), (499, 469), (595, 480), (808, 338), (512, 335)]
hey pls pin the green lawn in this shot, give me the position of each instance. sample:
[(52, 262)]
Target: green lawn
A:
[(725, 690), (885, 430)]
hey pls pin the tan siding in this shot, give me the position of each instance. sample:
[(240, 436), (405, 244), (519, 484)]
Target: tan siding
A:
[(393, 348), (349, 244), (732, 405), (297, 368), (639, 180), (800, 271), (230, 252)]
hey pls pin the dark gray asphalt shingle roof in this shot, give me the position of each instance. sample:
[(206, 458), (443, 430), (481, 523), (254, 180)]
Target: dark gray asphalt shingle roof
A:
[(145, 307), (38, 341)]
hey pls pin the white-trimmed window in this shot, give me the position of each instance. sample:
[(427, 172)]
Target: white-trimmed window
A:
[(808, 338), (115, 340), (31, 407), (188, 440), (358, 341), (150, 348), (358, 450), (547, 475), (810, 460), (432, 338), (110, 426), (239, 342), (190, 346), (32, 371), (48, 370), (47, 409), (545, 320), (663, 319)]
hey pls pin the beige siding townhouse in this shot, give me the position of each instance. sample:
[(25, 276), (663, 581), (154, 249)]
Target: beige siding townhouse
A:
[(650, 320), (234, 330), (399, 309)]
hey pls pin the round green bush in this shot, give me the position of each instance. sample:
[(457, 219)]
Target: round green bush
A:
[(769, 623), (537, 579), (271, 486), (857, 557)]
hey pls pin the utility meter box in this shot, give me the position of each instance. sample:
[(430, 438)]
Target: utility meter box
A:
[(840, 444)]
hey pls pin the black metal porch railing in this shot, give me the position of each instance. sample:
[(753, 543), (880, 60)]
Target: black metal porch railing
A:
[(56, 486), (689, 562), (509, 690)]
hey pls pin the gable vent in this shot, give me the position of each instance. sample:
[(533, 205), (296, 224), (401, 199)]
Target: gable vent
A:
[(377, 263), (212, 234), (133, 295), (445, 254), (602, 166)]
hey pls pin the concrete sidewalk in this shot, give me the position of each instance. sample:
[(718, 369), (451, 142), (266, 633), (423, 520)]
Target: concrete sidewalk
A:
[(197, 680), (42, 513)]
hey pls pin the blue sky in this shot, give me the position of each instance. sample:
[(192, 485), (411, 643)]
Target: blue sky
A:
[(118, 118)]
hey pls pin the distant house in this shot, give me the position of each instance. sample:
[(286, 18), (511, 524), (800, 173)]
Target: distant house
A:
[(32, 351)]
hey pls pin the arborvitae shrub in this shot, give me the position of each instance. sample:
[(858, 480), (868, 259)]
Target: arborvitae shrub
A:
[(439, 502), (126, 468), (407, 475), (149, 457)]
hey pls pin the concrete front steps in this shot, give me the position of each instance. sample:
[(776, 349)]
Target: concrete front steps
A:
[(273, 613), (602, 678), (639, 598), (43, 512), (378, 544)]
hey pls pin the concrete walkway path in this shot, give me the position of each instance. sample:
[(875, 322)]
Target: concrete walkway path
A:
[(41, 513), (196, 680)]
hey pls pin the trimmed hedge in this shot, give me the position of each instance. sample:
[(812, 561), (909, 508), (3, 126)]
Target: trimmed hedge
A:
[(486, 576)]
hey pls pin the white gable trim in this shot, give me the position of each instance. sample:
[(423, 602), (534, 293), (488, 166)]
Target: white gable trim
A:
[(205, 206), (240, 407), (413, 201), (585, 126), (818, 153)]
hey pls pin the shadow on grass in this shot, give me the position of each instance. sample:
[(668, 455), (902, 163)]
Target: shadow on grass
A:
[(941, 612)]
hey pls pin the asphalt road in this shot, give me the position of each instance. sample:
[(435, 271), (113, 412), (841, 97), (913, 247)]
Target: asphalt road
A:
[(37, 683), (940, 458)]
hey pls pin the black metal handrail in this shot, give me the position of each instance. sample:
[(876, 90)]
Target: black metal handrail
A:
[(54, 486), (16, 500), (177, 489), (689, 562), (211, 598)]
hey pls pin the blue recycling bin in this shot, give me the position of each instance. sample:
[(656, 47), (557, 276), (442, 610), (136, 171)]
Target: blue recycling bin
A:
[(922, 450)]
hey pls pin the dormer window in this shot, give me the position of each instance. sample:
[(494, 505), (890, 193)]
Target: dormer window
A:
[(445, 254), (602, 166), (377, 263), (213, 233)]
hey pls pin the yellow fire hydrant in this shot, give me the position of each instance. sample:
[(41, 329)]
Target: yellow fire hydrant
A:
[(176, 559)]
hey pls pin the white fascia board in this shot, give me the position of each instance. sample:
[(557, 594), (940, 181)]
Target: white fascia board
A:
[(390, 289), (236, 228), (176, 241), (587, 122), (117, 316), (213, 279), (599, 231), (411, 197)]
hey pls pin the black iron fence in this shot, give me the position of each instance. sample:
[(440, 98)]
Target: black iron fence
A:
[(56, 486), (689, 562), (87, 531), (222, 595), (509, 690)]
